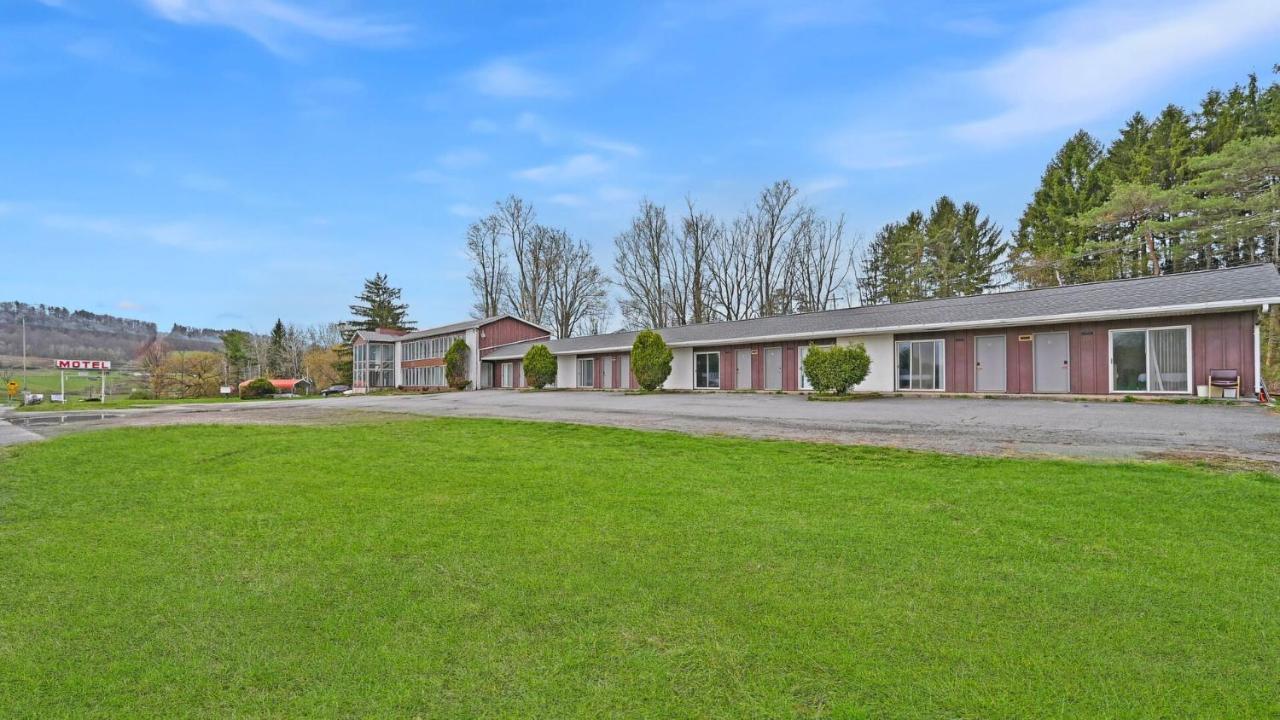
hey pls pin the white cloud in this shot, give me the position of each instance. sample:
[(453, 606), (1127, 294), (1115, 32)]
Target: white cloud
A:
[(180, 234), (128, 305), (532, 123), (568, 200), (575, 167), (1097, 60), (823, 184), (462, 158), (463, 210), (975, 26), (506, 78), (324, 97), (483, 126), (614, 146), (618, 195), (277, 24), (862, 149), (430, 176), (203, 182)]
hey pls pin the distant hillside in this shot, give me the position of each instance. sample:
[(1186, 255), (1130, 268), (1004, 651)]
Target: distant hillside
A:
[(58, 332)]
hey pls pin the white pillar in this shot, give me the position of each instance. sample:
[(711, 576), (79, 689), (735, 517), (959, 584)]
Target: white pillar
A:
[(1257, 354)]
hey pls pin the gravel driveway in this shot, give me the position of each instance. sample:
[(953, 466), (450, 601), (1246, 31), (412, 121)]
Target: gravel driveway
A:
[(958, 425)]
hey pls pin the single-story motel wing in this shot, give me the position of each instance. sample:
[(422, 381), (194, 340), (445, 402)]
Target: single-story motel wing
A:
[(1158, 335)]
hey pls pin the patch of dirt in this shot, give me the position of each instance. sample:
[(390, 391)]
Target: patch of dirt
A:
[(1219, 462)]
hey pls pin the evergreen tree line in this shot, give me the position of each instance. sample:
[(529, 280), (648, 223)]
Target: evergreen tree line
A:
[(954, 250), (1185, 191)]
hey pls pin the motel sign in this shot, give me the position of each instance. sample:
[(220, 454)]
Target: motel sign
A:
[(63, 366), (84, 364)]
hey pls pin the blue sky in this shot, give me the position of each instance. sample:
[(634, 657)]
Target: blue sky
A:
[(221, 163)]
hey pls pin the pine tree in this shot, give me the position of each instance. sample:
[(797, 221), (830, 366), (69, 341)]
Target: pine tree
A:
[(977, 251), (379, 306), (1231, 207), (1170, 148), (277, 351), (235, 348), (1128, 158), (1046, 247), (953, 251), (1134, 209)]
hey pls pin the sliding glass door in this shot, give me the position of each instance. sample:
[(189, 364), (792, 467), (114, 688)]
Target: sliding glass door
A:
[(1153, 360), (920, 364)]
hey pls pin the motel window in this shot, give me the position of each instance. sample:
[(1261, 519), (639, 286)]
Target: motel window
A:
[(1151, 360), (586, 372), (427, 348), (424, 376), (920, 365), (706, 370)]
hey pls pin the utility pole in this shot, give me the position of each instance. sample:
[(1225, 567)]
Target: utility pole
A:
[(24, 354)]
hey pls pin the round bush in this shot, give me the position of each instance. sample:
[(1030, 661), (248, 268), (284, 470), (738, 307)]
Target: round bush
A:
[(650, 360), (260, 387), (539, 367), (836, 369)]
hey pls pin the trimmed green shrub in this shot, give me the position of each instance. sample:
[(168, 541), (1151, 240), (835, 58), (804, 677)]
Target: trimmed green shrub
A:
[(837, 368), (650, 360), (539, 367), (261, 387), (455, 365)]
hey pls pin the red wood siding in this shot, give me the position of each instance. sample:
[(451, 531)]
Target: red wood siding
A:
[(790, 363), (617, 381), (1220, 340), (506, 331), (428, 362)]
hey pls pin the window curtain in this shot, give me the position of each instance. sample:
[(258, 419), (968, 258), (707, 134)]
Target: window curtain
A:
[(1168, 355)]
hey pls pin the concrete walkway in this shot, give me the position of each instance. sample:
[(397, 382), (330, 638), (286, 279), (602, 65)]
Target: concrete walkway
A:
[(11, 435)]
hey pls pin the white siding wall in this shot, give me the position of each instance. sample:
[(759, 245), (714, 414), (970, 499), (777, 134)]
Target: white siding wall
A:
[(473, 345), (566, 371), (397, 373), (880, 348), (681, 377)]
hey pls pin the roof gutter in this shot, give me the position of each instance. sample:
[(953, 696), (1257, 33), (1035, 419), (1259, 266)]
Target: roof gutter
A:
[(1188, 309)]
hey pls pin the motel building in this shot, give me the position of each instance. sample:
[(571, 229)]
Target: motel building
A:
[(1157, 336)]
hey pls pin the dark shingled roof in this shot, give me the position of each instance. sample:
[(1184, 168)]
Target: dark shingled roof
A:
[(1245, 286)]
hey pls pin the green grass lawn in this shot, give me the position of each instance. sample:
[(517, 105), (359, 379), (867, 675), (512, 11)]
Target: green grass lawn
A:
[(469, 568), (46, 381)]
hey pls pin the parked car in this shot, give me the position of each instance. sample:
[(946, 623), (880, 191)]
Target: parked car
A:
[(335, 390)]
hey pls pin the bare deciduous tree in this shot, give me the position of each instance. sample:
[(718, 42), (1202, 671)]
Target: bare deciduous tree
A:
[(732, 272), (489, 275), (641, 255), (688, 271), (772, 220), (527, 291), (819, 262), (578, 286)]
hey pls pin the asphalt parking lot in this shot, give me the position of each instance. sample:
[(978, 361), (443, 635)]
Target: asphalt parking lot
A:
[(1074, 428)]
